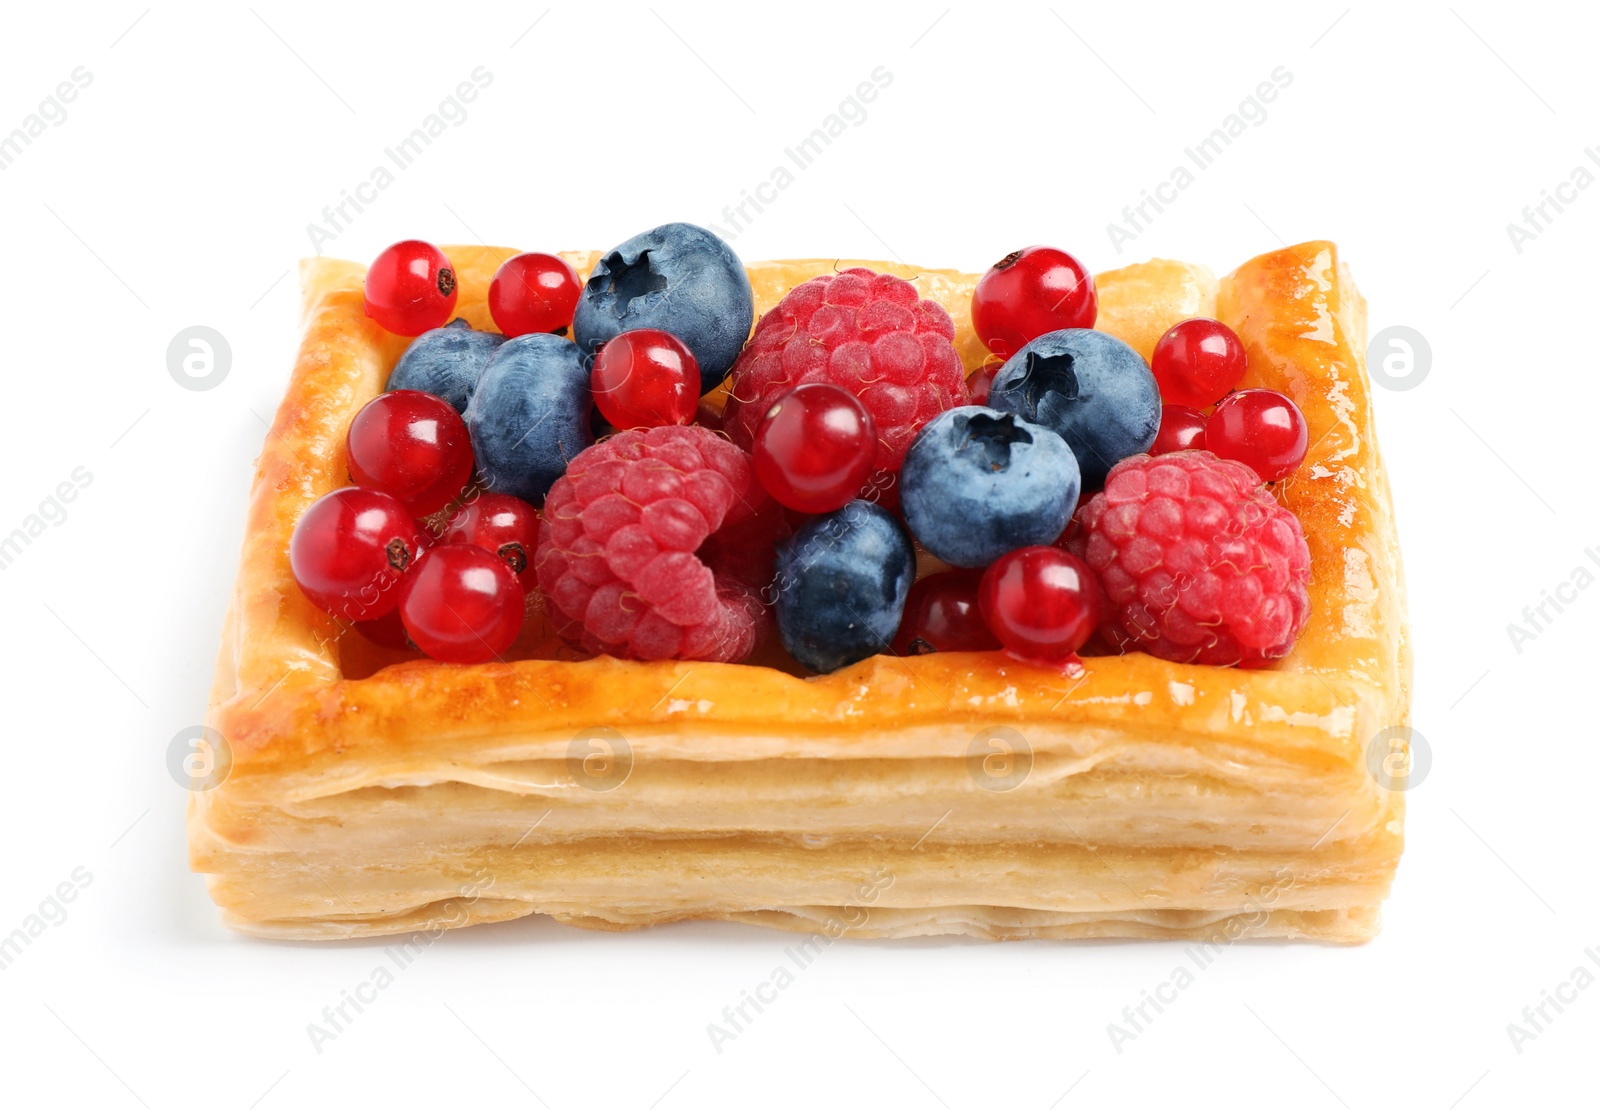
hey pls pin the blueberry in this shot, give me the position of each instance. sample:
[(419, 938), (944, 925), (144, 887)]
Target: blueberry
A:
[(1089, 388), (842, 583), (977, 483), (446, 362), (530, 415), (678, 278)]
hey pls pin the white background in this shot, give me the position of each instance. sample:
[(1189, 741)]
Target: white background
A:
[(178, 191)]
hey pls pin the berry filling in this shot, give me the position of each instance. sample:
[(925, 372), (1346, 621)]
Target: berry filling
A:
[(629, 556), (815, 448), (868, 333), (411, 446), (1198, 561), (534, 293), (848, 450), (1029, 293), (645, 378), (1198, 362), (411, 288)]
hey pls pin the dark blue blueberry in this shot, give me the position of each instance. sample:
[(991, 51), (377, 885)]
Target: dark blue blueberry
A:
[(977, 483), (530, 415), (842, 583), (678, 278), (446, 362), (1091, 389)]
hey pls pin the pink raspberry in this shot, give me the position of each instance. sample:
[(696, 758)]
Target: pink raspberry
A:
[(866, 332), (1198, 562), (652, 544)]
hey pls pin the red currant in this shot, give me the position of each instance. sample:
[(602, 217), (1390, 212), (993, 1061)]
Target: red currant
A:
[(411, 288), (461, 603), (1260, 428), (942, 616), (504, 525), (1198, 362), (1041, 602), (1032, 292), (645, 378), (815, 448), (980, 380), (534, 293), (387, 632), (350, 549), (412, 446), (1182, 429)]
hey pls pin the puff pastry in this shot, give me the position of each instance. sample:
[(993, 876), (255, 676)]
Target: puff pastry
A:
[(950, 793)]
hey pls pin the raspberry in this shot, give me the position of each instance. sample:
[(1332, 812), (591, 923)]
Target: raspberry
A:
[(866, 332), (1198, 562), (652, 545)]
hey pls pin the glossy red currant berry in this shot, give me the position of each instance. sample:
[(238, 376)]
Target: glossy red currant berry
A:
[(942, 616), (1198, 362), (1032, 292), (411, 288), (1260, 428), (350, 549), (534, 293), (980, 380), (1041, 602), (461, 603), (1182, 429), (387, 632), (815, 448), (645, 378), (504, 525), (412, 446)]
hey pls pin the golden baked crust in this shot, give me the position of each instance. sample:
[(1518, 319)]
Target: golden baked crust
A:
[(1145, 798)]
